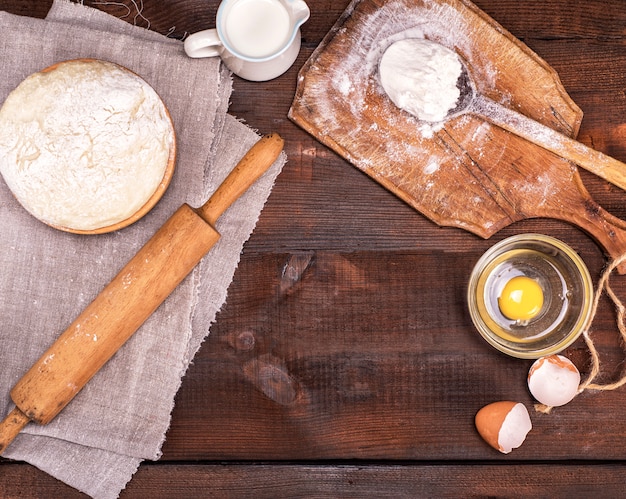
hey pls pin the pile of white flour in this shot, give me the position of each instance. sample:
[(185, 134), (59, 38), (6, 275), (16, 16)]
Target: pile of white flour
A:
[(421, 77)]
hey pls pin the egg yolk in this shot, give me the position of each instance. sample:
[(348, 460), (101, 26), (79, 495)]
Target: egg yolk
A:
[(521, 299)]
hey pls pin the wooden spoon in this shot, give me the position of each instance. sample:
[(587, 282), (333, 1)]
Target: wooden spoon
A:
[(471, 102)]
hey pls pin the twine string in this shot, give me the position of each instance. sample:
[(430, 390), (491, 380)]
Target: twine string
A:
[(604, 286)]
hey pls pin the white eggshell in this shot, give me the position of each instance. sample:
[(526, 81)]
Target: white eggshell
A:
[(553, 380), (504, 425)]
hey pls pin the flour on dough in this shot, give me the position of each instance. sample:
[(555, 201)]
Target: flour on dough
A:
[(85, 144)]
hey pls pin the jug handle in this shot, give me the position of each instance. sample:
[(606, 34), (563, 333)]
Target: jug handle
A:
[(204, 43)]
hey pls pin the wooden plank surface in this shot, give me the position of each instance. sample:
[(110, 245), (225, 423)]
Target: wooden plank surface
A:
[(344, 362), (399, 481)]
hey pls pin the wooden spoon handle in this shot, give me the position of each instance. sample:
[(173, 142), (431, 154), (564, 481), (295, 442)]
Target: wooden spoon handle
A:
[(603, 166)]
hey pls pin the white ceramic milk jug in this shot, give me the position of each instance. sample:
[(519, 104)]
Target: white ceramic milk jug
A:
[(257, 39)]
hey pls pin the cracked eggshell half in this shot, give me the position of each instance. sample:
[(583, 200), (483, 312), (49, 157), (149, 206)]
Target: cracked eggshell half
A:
[(553, 380), (503, 425)]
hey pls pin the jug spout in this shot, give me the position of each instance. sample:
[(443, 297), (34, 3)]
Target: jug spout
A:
[(299, 10)]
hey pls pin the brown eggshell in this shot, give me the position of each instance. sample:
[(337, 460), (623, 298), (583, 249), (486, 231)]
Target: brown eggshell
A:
[(489, 422)]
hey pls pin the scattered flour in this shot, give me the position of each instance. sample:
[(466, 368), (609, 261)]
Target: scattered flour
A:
[(345, 85), (431, 167), (355, 116), (351, 86), (421, 77), (84, 145)]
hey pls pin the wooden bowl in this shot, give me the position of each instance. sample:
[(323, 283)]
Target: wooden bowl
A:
[(157, 193)]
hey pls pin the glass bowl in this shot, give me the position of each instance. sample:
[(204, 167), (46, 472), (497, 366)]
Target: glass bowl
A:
[(567, 295)]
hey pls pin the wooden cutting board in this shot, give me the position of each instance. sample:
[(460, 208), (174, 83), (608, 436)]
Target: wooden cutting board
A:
[(466, 173)]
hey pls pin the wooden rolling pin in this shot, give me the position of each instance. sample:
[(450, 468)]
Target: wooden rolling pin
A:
[(129, 299)]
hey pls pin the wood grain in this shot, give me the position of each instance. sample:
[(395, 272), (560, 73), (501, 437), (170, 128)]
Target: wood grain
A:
[(344, 362), (463, 173), (347, 481), (130, 298)]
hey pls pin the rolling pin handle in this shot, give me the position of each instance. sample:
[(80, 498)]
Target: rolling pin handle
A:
[(11, 426)]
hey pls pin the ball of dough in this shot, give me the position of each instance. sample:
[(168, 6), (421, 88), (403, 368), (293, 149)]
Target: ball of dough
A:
[(84, 144)]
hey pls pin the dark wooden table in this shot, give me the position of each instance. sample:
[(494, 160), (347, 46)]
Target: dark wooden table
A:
[(344, 362)]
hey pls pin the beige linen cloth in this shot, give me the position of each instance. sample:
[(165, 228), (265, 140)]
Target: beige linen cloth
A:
[(49, 276)]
